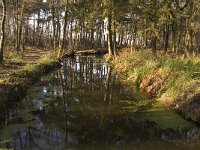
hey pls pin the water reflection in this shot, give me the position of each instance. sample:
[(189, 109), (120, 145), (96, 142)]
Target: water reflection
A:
[(84, 106)]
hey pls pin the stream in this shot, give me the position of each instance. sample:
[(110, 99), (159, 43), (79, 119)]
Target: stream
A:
[(86, 106)]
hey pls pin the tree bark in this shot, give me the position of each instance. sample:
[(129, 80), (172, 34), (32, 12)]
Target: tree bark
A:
[(64, 31), (17, 27), (2, 31), (110, 47), (20, 38), (166, 38), (54, 27)]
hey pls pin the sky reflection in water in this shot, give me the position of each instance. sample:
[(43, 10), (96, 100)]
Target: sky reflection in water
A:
[(84, 106)]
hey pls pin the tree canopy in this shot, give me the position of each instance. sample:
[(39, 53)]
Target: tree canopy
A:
[(167, 25)]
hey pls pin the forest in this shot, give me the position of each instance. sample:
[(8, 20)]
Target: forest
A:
[(99, 74), (161, 25)]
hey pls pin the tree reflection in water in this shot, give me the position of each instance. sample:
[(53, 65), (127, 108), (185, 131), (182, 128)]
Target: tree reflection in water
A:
[(84, 106)]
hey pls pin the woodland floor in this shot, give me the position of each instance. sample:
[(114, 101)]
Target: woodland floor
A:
[(30, 55)]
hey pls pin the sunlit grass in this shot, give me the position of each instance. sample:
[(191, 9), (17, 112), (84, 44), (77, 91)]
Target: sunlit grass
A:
[(12, 56), (177, 76), (31, 71)]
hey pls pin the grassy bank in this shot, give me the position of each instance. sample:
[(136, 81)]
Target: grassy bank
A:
[(27, 75), (174, 81)]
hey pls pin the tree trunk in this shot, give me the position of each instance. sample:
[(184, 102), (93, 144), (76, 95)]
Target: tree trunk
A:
[(92, 38), (33, 42), (54, 27), (110, 47), (58, 30), (17, 28), (26, 31), (20, 38), (154, 38), (174, 38), (114, 30), (64, 31), (2, 30), (71, 32), (166, 38)]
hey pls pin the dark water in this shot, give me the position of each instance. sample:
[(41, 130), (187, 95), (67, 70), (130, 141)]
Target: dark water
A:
[(85, 106)]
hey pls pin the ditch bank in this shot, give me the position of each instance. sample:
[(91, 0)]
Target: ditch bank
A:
[(174, 82), (85, 52), (16, 83)]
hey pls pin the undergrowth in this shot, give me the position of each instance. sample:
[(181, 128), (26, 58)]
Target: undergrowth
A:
[(12, 56), (163, 76), (30, 71)]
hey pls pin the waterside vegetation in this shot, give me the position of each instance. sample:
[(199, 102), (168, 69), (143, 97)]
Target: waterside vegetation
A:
[(174, 81), (162, 36), (27, 73)]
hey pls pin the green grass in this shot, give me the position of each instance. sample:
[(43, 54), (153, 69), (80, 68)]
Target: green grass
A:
[(12, 56), (173, 81), (183, 74), (30, 71)]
